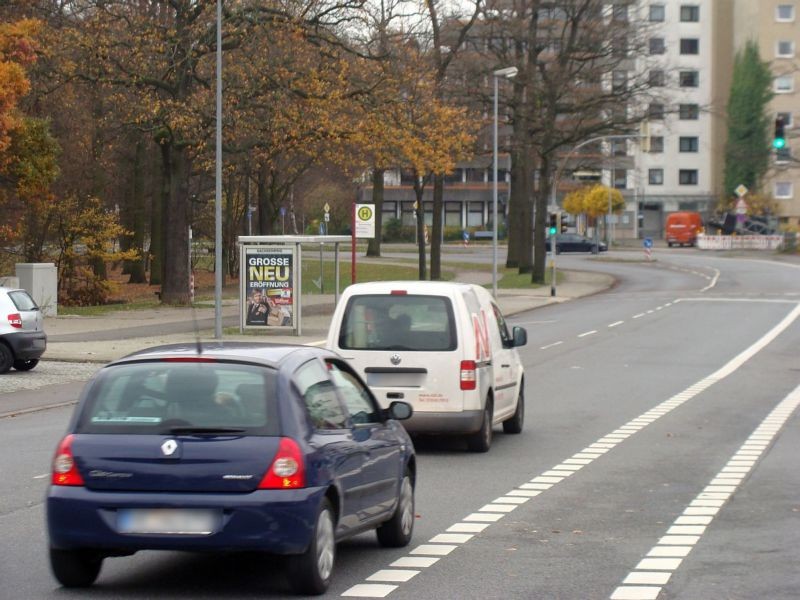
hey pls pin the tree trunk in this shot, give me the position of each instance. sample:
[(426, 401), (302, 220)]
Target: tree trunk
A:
[(136, 216), (419, 188), (157, 213), (436, 229), (540, 220), (525, 209), (374, 245), (516, 205), (175, 289)]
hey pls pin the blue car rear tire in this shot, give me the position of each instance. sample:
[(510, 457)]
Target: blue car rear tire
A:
[(310, 572), (75, 568), (397, 531)]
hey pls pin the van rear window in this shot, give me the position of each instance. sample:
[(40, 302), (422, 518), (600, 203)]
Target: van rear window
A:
[(398, 322), (162, 397)]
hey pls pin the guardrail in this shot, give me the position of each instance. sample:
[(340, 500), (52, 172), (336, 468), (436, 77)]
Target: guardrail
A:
[(740, 242)]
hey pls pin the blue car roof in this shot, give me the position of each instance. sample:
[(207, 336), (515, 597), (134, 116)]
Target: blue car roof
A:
[(273, 355)]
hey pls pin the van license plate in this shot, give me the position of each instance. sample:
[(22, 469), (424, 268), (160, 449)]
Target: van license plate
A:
[(167, 521)]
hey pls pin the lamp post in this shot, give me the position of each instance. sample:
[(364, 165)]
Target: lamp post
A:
[(507, 73), (218, 188)]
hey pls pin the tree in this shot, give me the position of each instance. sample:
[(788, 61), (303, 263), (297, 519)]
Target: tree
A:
[(574, 83), (594, 201), (17, 50), (747, 150)]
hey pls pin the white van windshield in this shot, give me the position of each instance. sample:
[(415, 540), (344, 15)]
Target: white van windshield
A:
[(398, 322)]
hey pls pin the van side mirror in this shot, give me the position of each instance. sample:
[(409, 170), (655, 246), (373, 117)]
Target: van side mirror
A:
[(399, 410), (520, 336)]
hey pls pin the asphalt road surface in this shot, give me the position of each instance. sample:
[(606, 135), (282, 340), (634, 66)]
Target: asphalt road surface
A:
[(659, 460)]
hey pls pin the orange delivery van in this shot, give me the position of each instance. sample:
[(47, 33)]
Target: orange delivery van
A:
[(683, 228)]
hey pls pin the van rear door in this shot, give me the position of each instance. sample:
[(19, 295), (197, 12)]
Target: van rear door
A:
[(405, 346)]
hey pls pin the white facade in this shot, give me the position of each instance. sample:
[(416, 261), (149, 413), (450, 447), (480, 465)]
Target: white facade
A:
[(681, 169)]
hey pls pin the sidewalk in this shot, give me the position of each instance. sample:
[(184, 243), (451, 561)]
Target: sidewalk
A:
[(111, 336)]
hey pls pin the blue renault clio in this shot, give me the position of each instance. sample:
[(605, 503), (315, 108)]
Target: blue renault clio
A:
[(237, 446)]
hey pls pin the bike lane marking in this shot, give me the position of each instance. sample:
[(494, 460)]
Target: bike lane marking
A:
[(443, 544), (647, 579)]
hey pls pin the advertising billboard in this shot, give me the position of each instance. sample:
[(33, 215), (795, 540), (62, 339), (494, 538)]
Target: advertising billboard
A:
[(268, 287)]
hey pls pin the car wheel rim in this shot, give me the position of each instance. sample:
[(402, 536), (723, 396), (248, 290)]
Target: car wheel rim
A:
[(406, 506), (325, 545)]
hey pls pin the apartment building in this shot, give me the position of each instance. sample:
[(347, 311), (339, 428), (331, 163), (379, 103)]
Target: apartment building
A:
[(775, 25), (688, 61)]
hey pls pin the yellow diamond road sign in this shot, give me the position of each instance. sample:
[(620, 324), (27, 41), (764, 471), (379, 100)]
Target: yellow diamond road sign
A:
[(365, 221)]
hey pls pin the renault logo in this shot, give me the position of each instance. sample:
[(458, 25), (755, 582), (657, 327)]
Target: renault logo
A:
[(395, 359), (169, 447)]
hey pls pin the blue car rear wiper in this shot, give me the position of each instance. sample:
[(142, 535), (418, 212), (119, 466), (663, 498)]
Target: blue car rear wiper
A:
[(191, 430)]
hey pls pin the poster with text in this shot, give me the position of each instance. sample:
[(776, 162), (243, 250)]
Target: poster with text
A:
[(268, 287)]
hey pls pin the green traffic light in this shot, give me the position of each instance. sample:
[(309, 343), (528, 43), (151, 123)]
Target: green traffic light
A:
[(552, 231), (779, 143)]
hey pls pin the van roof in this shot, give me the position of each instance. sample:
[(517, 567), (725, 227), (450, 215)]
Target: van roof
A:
[(410, 286)]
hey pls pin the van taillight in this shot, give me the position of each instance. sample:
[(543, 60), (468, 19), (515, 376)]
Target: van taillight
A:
[(469, 376), (15, 320), (287, 470), (65, 471)]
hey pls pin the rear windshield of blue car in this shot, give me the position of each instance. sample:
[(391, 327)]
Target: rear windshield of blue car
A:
[(169, 398)]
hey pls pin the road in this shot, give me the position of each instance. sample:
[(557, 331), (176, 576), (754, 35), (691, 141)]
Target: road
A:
[(659, 460)]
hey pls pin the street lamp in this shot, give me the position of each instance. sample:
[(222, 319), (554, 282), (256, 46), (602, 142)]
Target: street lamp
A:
[(507, 73), (218, 188)]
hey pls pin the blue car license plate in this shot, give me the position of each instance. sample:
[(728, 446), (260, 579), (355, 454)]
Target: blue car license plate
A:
[(167, 521)]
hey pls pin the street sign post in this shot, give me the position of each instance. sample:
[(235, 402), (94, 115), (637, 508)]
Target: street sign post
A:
[(648, 247), (365, 221)]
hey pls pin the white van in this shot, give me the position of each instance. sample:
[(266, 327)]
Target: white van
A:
[(442, 347)]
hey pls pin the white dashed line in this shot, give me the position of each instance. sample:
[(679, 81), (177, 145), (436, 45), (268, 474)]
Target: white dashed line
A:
[(640, 315), (593, 331), (616, 324), (686, 530), (678, 536), (550, 345)]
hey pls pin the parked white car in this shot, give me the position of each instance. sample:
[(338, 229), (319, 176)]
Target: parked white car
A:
[(442, 347), (22, 337)]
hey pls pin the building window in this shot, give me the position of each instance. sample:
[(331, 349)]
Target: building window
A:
[(657, 46), (655, 111), (787, 119), (620, 178), (656, 78), (655, 176), (619, 81), (475, 214), (689, 78), (689, 144), (690, 46), (783, 155), (690, 13), (687, 177), (657, 13), (784, 49), (389, 210), (784, 189), (689, 112), (656, 144), (452, 214), (784, 13), (407, 213), (784, 84)]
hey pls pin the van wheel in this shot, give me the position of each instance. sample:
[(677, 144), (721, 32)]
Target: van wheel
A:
[(669, 244), (75, 568), (514, 424), (481, 440), (310, 572)]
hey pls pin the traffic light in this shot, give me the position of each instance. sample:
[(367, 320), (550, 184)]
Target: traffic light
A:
[(553, 226), (564, 224), (779, 141)]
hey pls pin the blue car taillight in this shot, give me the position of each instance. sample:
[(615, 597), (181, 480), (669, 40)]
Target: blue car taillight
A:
[(287, 470), (65, 471)]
